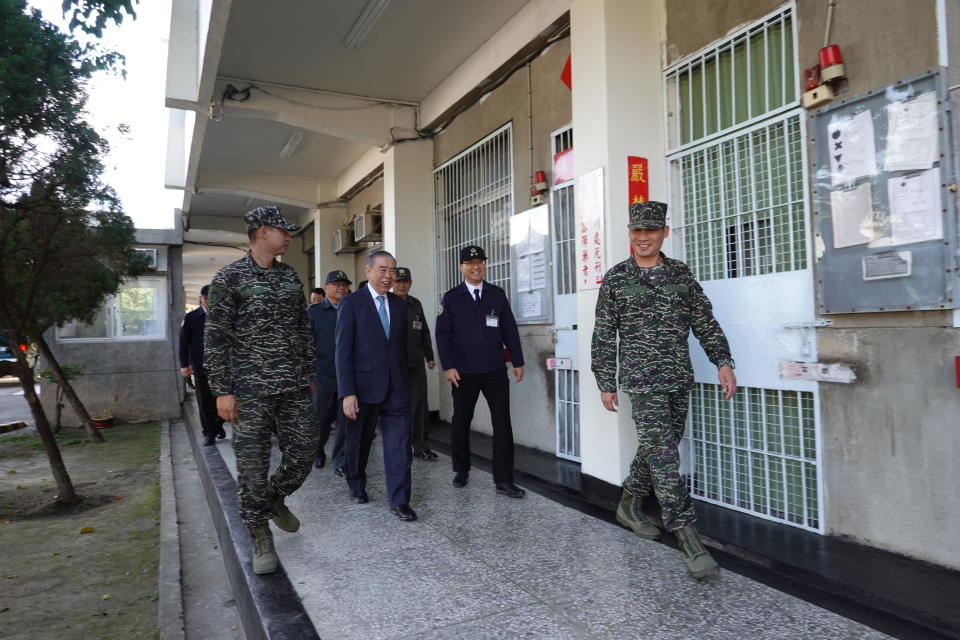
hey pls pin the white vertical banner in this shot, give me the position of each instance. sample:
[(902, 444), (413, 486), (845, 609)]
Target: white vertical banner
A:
[(589, 207)]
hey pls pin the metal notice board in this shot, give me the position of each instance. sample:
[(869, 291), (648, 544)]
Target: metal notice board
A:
[(531, 273), (884, 202)]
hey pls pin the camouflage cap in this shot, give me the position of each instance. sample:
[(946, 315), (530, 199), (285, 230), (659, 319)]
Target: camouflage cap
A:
[(472, 252), (648, 215), (403, 275), (268, 217), (336, 276)]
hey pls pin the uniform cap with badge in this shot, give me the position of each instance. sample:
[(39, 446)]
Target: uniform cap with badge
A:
[(404, 275), (472, 252), (336, 276), (269, 216), (648, 215)]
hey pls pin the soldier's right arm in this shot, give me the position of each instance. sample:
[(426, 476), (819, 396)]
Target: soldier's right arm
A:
[(603, 347), (218, 336)]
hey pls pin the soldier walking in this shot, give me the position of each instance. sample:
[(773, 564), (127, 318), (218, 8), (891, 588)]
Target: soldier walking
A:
[(653, 302), (260, 361)]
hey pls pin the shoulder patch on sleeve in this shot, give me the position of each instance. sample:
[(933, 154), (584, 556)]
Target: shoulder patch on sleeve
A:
[(440, 309), (215, 294)]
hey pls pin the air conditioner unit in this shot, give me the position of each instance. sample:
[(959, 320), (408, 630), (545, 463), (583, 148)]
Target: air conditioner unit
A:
[(368, 227), (343, 241)]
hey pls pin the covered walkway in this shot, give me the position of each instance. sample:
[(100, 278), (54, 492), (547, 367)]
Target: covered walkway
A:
[(479, 565)]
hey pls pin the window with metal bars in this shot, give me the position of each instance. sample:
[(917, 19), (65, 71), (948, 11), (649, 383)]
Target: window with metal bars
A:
[(737, 163), (563, 218), (473, 202), (756, 453)]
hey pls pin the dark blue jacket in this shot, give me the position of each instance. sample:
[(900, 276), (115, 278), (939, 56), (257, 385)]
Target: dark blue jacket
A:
[(369, 365), (191, 340), (323, 324), (465, 342)]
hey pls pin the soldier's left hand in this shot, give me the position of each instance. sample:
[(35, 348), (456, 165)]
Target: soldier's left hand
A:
[(518, 373), (728, 381), (431, 364)]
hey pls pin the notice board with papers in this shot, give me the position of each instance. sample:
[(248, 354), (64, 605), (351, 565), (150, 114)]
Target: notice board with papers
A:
[(531, 273), (884, 200)]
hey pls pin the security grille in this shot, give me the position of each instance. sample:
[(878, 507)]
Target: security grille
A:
[(756, 453), (737, 165), (563, 218), (473, 202), (568, 413)]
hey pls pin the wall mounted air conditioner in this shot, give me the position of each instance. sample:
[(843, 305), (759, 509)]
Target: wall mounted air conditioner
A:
[(368, 227), (344, 242), (151, 256)]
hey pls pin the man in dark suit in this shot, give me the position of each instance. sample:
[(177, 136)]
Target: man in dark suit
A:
[(373, 385), (326, 404), (191, 363), (474, 324)]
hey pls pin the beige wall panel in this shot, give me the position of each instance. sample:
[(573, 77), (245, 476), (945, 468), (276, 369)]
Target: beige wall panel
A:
[(693, 24)]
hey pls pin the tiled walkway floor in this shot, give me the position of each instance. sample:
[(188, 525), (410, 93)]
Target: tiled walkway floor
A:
[(477, 565)]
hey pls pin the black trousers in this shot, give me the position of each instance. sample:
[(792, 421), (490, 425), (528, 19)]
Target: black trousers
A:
[(495, 386), (210, 422), (328, 409)]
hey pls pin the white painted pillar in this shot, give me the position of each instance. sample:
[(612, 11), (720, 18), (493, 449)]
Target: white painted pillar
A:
[(618, 111), (408, 227)]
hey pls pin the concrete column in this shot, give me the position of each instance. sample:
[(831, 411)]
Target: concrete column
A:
[(618, 110), (408, 227)]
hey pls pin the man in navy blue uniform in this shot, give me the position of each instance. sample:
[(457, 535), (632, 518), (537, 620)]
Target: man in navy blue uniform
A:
[(474, 324), (191, 363), (323, 324), (372, 380)]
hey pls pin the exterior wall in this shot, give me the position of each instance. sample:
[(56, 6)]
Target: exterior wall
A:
[(137, 380), (889, 440), (537, 103)]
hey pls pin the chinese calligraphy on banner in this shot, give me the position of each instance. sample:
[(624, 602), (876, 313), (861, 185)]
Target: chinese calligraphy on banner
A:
[(591, 255), (638, 189)]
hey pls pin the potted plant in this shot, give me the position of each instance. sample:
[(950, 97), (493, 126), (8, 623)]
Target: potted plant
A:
[(103, 418)]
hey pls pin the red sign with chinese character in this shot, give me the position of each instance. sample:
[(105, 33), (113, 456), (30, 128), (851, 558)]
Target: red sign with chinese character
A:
[(638, 189)]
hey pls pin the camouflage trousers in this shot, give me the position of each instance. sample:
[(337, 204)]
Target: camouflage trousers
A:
[(660, 419), (291, 414)]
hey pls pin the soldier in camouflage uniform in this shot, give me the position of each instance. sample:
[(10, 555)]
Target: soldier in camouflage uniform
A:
[(653, 302), (259, 358)]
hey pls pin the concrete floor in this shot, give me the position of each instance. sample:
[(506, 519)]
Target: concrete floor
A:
[(478, 565)]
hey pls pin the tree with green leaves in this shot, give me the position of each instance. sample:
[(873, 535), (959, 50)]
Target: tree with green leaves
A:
[(65, 244)]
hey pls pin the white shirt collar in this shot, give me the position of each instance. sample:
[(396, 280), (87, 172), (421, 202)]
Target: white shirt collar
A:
[(471, 288), (373, 292)]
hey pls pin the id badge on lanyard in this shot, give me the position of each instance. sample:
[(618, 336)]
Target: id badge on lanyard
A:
[(493, 320), (417, 324)]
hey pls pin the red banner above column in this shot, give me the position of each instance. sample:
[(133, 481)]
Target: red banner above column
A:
[(638, 189)]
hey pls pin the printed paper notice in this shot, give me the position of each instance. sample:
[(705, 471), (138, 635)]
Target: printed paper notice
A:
[(523, 273), (853, 153), (911, 134), (530, 306), (589, 206), (915, 214), (852, 217), (538, 271)]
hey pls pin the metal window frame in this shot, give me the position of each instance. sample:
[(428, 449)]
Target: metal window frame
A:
[(705, 394), (567, 405), (470, 193), (564, 248)]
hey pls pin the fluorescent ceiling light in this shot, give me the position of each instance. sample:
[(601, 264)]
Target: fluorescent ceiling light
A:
[(368, 17), (291, 145), (248, 202)]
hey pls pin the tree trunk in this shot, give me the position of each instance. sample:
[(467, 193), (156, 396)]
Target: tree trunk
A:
[(65, 490), (58, 423), (68, 391)]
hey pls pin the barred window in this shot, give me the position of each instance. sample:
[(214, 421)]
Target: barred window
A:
[(737, 159), (473, 202)]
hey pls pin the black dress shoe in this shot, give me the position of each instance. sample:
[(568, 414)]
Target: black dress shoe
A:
[(340, 472), (460, 479), (209, 441), (405, 513), (221, 434), (320, 460), (360, 497), (511, 490)]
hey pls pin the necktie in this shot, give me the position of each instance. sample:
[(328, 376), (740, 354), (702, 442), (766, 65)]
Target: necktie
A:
[(382, 310), (476, 296)]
